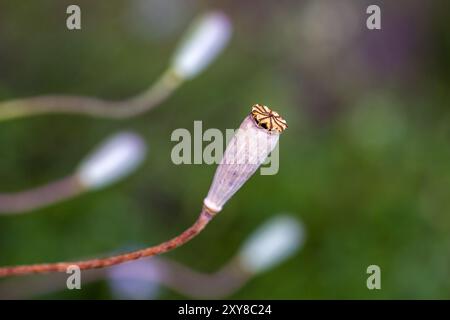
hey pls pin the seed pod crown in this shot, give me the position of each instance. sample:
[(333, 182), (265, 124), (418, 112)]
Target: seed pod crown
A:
[(268, 119)]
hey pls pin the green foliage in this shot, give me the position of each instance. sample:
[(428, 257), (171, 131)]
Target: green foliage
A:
[(364, 164)]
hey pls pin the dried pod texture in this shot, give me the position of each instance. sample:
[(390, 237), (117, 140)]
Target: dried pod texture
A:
[(246, 151), (268, 119)]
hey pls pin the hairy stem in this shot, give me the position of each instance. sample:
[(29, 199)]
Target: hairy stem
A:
[(171, 274), (191, 232)]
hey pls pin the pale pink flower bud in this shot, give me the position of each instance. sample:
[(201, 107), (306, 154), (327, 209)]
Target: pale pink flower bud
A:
[(202, 44), (273, 242), (111, 161)]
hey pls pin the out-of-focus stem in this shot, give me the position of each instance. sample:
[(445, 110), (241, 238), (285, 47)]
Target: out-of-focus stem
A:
[(91, 106), (29, 287), (169, 273), (201, 285), (205, 216), (20, 202)]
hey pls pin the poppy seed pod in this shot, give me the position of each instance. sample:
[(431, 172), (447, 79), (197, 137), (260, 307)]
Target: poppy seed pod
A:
[(247, 150), (114, 159)]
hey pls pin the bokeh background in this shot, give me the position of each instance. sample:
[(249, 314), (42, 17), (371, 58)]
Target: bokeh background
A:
[(365, 163)]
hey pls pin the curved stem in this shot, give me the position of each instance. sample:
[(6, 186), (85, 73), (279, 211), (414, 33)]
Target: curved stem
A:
[(19, 202), (191, 232), (171, 274), (201, 285), (91, 106)]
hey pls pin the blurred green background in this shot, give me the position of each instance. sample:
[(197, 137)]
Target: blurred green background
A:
[(365, 163)]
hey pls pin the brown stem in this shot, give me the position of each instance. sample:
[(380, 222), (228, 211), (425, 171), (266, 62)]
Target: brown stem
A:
[(191, 232), (11, 203), (173, 275)]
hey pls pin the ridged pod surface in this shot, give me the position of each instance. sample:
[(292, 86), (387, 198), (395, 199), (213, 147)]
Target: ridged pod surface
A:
[(246, 151)]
